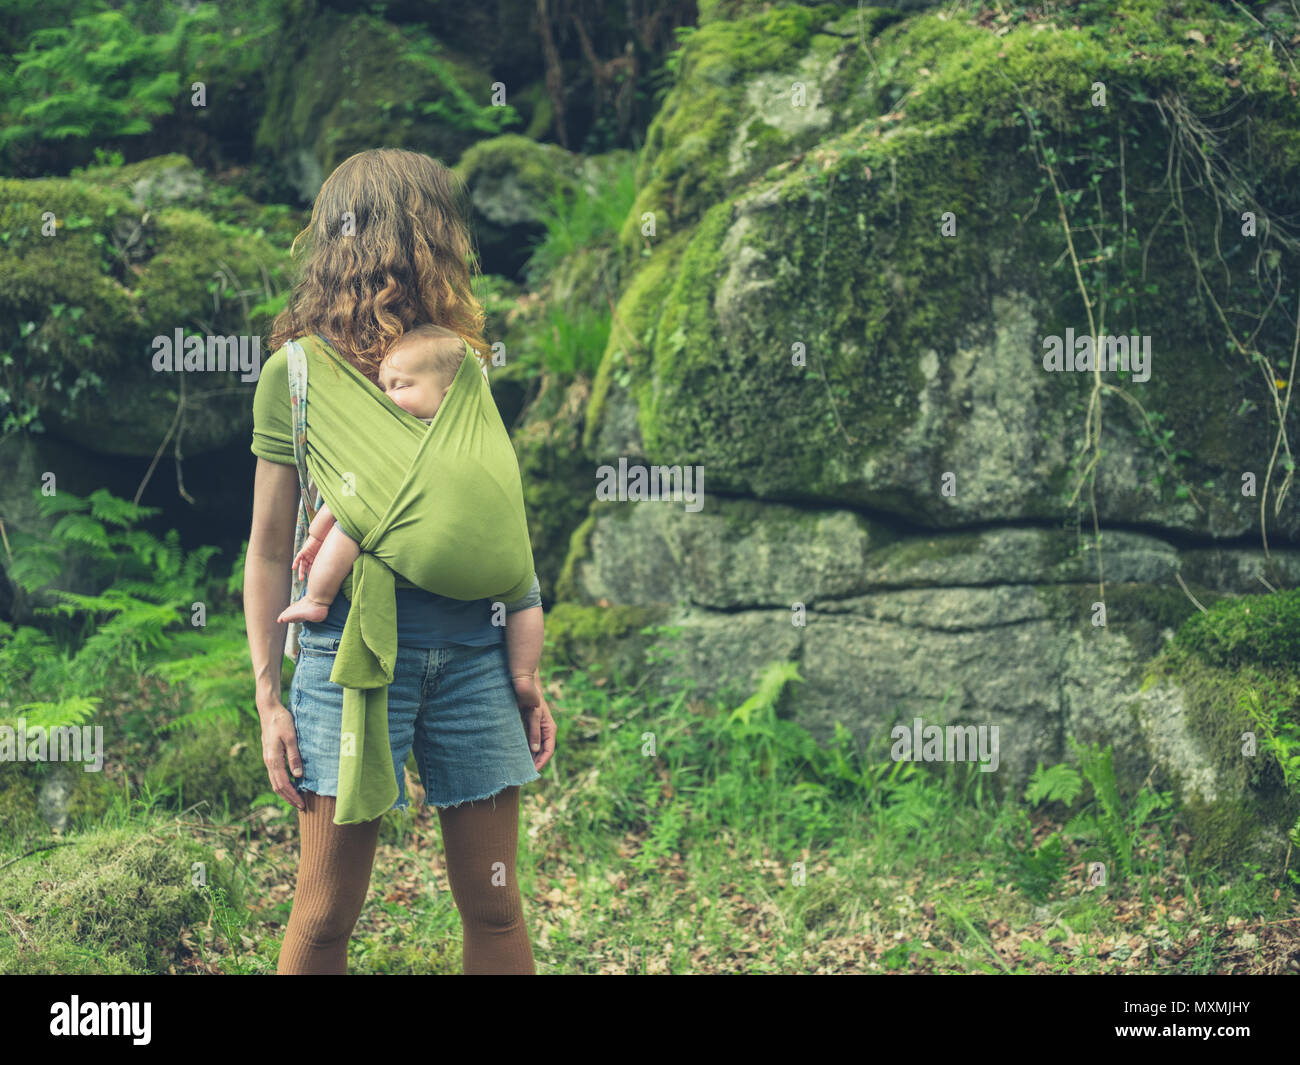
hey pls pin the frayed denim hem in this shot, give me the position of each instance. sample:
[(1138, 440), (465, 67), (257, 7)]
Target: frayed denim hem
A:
[(486, 795)]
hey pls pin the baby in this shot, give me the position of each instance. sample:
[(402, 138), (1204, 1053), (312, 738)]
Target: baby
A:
[(417, 375)]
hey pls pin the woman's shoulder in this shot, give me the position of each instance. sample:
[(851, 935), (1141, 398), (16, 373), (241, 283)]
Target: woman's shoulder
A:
[(273, 378), (277, 363)]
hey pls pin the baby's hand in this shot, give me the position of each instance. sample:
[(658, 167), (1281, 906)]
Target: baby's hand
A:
[(303, 559)]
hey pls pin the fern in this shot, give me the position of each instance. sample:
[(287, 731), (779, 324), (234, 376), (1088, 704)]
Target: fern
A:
[(1118, 831), (1061, 783), (65, 713), (1036, 870), (213, 673), (137, 625), (770, 686)]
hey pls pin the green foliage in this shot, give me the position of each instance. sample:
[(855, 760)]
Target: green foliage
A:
[(1115, 833), (1118, 832), (138, 623), (1035, 870), (569, 340), (1259, 629), (581, 217), (1060, 783), (1273, 712), (20, 410), (580, 221), (112, 72), (451, 104)]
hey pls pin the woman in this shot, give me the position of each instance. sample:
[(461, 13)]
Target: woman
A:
[(389, 250)]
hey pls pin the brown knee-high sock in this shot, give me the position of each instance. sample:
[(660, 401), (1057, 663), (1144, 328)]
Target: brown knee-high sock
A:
[(333, 877), (476, 837)]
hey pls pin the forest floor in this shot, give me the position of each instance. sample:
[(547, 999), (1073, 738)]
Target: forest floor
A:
[(625, 868), (674, 835)]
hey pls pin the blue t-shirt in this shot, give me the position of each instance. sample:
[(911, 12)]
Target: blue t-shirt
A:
[(425, 620)]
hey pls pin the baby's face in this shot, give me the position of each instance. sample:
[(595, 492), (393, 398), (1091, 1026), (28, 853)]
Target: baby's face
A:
[(410, 385)]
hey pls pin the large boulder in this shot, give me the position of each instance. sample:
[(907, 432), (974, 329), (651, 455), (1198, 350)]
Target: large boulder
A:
[(845, 271), (351, 81), (88, 301), (135, 253), (996, 626)]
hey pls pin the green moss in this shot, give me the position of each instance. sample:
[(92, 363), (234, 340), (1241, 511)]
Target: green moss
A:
[(20, 816), (92, 795), (1259, 629), (174, 181), (96, 312), (109, 901), (688, 142), (1239, 670), (536, 171), (854, 265), (604, 640), (632, 335), (578, 549), (352, 81), (1252, 797)]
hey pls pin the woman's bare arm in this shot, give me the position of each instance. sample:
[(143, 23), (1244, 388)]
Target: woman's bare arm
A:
[(267, 584)]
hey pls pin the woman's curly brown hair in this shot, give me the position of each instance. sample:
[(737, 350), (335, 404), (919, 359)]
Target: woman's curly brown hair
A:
[(388, 248)]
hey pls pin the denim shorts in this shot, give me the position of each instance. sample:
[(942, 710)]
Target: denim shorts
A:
[(455, 706)]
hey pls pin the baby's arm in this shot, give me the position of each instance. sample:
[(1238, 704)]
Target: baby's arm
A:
[(331, 566), (322, 523), (316, 532)]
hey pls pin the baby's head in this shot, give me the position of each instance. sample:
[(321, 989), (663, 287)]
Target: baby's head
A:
[(419, 368)]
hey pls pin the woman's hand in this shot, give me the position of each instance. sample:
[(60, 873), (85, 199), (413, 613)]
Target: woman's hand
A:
[(539, 726), (280, 744)]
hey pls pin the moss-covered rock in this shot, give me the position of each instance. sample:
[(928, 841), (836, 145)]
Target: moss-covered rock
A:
[(83, 305), (604, 641), (1258, 629), (1218, 706), (352, 81), (814, 220), (173, 180), (1209, 730), (109, 901), (512, 181)]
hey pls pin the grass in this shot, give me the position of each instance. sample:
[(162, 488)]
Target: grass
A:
[(671, 835)]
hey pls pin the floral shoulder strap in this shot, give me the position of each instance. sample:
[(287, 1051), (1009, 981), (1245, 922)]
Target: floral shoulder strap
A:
[(310, 496)]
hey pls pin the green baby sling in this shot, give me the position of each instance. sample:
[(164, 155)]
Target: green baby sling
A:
[(437, 506)]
